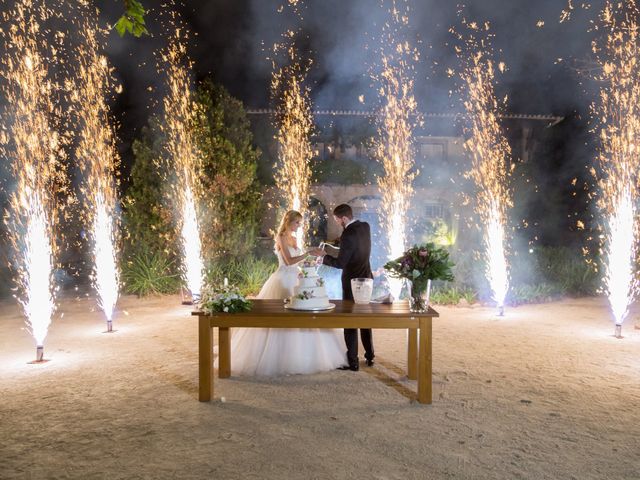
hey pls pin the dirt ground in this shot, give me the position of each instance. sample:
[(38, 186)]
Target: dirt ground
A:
[(544, 393)]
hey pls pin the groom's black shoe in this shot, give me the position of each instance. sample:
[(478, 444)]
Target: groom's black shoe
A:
[(370, 362), (353, 368)]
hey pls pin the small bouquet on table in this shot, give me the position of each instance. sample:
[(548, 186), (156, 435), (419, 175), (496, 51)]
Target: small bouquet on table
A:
[(223, 299), (418, 266)]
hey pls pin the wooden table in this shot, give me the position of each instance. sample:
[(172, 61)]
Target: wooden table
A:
[(347, 314)]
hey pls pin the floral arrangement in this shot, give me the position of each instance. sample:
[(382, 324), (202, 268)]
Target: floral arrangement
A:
[(420, 264), (303, 273), (224, 299), (309, 262), (305, 295)]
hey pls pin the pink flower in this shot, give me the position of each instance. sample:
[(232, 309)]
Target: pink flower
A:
[(423, 253)]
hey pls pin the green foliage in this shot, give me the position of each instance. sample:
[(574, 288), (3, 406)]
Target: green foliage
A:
[(150, 274), (132, 22), (148, 220), (420, 264), (248, 273), (342, 171), (563, 268), (229, 197), (224, 299), (6, 281), (230, 192), (532, 293), (449, 294), (545, 274), (567, 270), (438, 231), (469, 296)]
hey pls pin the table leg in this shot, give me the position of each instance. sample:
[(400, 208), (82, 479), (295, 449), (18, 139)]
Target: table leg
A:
[(224, 359), (412, 354), (424, 362), (205, 360)]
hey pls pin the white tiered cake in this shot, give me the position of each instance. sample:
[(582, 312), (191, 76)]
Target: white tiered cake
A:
[(310, 293)]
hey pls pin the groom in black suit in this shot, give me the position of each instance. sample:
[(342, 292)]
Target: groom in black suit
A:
[(353, 259)]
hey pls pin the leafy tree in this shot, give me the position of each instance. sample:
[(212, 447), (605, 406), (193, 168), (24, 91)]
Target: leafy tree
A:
[(132, 21), (147, 217), (230, 193)]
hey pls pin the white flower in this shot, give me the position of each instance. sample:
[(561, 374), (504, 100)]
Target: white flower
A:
[(226, 309)]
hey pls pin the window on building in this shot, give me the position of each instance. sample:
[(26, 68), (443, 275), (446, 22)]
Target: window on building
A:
[(433, 210), (432, 152)]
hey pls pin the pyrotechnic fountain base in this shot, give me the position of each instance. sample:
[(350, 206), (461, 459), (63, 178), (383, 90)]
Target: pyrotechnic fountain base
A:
[(39, 356), (110, 327), (501, 310), (189, 298), (618, 331)]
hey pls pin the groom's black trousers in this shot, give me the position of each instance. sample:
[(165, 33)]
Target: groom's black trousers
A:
[(351, 338)]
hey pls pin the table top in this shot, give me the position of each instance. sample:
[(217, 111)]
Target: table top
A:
[(344, 308)]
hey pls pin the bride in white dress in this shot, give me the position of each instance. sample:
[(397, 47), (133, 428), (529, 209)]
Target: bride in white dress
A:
[(279, 351)]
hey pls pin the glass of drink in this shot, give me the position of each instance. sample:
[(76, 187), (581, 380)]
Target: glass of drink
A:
[(362, 289)]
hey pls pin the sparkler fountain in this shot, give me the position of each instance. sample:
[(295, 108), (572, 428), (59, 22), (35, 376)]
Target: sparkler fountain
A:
[(33, 149), (294, 122), (183, 156), (396, 122), (618, 115), (98, 159), (490, 153)]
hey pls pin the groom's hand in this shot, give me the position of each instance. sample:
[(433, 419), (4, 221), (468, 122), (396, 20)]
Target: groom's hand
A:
[(317, 252)]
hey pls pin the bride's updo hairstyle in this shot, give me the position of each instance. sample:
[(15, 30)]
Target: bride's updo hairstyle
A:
[(288, 218)]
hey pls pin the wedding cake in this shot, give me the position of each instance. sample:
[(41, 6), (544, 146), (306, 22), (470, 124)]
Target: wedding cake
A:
[(310, 293)]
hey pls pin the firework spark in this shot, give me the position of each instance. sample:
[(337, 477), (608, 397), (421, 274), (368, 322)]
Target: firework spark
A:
[(34, 150), (294, 122), (183, 156), (396, 122), (618, 115), (98, 160), (490, 152)]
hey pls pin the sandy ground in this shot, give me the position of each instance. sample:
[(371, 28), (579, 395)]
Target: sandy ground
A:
[(544, 393)]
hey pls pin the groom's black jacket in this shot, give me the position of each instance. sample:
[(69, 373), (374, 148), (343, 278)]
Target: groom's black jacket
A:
[(353, 259)]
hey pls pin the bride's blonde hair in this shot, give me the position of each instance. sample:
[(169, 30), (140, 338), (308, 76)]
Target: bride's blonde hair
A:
[(288, 218)]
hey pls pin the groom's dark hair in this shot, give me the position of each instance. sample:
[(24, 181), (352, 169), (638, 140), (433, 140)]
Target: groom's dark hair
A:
[(343, 210)]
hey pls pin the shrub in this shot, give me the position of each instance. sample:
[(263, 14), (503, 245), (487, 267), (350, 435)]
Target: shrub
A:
[(567, 269), (228, 194), (247, 273), (451, 294), (148, 219), (546, 274), (253, 273), (342, 171), (537, 293), (563, 269), (150, 274)]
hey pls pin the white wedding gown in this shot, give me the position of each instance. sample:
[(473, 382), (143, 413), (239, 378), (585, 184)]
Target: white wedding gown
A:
[(280, 351)]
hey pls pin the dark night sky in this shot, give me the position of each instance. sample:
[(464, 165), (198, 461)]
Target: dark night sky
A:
[(232, 38), (232, 35)]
